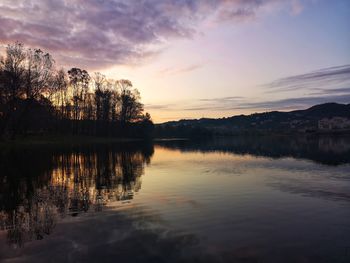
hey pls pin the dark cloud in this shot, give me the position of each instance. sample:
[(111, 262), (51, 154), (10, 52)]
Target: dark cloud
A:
[(334, 91), (322, 78), (320, 86), (157, 106), (97, 33), (339, 95), (281, 104), (294, 103)]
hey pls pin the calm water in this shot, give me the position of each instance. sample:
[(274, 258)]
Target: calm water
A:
[(223, 200)]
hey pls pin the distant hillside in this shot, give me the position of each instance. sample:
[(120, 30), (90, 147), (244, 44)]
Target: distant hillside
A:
[(328, 117)]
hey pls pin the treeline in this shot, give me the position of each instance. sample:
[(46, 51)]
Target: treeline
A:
[(38, 98)]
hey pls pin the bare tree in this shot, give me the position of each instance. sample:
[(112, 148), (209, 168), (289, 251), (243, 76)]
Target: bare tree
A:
[(99, 86), (60, 86), (79, 80), (38, 74), (12, 88), (131, 108), (13, 69), (34, 95)]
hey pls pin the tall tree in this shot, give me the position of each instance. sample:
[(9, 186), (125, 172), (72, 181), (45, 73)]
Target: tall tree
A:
[(79, 80), (131, 108), (60, 85), (99, 81), (13, 71), (34, 96), (38, 74)]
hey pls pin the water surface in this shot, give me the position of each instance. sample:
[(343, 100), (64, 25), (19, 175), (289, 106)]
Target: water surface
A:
[(224, 200)]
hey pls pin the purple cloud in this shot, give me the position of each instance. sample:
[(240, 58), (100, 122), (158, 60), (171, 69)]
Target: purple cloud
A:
[(326, 77), (322, 85), (97, 34)]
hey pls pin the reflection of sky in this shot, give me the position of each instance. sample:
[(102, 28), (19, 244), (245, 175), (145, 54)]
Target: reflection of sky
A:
[(200, 172), (220, 205), (230, 199), (195, 49)]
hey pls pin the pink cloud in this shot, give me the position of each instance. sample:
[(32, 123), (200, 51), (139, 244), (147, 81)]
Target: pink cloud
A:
[(97, 34)]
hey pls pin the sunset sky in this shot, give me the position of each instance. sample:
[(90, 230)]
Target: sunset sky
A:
[(197, 58)]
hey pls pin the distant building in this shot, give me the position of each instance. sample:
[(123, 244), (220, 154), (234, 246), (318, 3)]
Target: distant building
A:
[(335, 123), (301, 125)]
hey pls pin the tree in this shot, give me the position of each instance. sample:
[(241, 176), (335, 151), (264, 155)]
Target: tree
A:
[(79, 80), (13, 71), (12, 67), (38, 74), (60, 87), (36, 97), (99, 86), (131, 108)]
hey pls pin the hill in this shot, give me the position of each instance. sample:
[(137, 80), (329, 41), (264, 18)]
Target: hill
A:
[(325, 118)]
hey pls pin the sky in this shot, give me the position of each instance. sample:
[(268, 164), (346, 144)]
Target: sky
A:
[(197, 58)]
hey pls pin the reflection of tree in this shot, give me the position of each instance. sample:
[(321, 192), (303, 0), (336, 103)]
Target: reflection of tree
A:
[(36, 193), (329, 150), (32, 220)]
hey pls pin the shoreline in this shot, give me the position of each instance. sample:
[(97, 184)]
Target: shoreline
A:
[(75, 140), (64, 140)]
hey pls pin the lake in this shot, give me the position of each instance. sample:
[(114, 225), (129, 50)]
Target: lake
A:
[(239, 199)]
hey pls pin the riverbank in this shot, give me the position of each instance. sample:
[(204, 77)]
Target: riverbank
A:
[(64, 140)]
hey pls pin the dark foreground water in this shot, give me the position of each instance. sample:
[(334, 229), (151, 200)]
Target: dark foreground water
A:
[(223, 200)]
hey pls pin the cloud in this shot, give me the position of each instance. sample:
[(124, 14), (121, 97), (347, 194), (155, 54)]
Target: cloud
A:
[(175, 71), (266, 105), (98, 34), (322, 78), (293, 103), (339, 91), (157, 106), (297, 7), (319, 86)]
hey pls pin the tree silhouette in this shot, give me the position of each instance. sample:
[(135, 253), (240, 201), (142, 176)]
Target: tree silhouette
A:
[(35, 97)]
